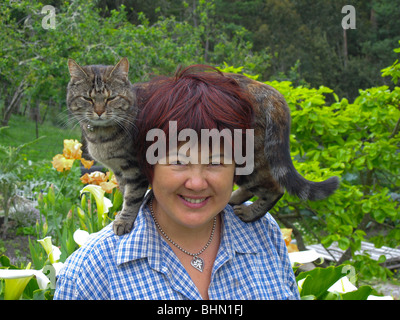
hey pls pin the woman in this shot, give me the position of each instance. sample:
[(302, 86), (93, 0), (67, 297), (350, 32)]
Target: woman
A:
[(186, 242)]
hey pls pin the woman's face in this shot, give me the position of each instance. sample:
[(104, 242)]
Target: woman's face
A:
[(189, 194)]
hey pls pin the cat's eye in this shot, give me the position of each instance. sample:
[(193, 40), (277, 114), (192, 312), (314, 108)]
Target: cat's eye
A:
[(87, 98), (112, 98)]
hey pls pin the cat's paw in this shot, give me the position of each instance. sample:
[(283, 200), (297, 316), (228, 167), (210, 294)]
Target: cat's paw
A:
[(239, 196), (122, 226), (243, 212)]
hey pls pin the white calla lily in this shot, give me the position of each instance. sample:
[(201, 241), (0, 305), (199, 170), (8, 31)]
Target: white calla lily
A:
[(17, 280), (58, 266), (103, 203), (56, 254), (343, 285), (303, 256), (41, 279), (52, 251), (81, 236)]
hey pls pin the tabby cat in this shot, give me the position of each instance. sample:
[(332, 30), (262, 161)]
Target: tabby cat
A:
[(273, 167), (105, 104)]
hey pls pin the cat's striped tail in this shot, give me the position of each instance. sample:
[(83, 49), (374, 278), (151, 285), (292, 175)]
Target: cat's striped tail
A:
[(277, 151)]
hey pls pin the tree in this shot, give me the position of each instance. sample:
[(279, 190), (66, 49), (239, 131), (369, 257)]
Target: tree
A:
[(358, 141), (33, 60)]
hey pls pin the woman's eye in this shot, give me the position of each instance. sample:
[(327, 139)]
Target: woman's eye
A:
[(177, 163), (215, 164), (217, 161)]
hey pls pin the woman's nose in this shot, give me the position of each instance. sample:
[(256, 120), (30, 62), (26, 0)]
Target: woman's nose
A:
[(197, 180)]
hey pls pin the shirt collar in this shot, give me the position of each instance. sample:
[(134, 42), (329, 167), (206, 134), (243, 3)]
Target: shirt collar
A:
[(144, 241)]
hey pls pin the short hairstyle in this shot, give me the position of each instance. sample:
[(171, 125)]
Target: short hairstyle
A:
[(196, 97)]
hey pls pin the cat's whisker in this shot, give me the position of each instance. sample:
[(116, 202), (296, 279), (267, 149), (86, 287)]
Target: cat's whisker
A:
[(65, 120), (121, 124), (74, 121)]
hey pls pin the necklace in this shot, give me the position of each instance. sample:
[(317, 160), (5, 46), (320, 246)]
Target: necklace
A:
[(197, 262)]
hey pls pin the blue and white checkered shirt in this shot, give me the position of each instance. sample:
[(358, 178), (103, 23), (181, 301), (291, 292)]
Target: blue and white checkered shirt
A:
[(252, 263)]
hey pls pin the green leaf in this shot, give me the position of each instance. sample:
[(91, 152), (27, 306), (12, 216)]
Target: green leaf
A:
[(366, 207), (379, 215), (344, 243), (382, 259), (309, 297), (332, 296), (336, 97), (5, 261), (118, 199), (327, 241), (43, 294), (361, 294), (36, 251), (319, 280)]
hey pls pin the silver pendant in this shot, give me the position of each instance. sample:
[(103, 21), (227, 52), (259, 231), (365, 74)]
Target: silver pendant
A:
[(197, 263)]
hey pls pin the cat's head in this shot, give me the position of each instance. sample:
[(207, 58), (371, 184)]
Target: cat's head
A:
[(100, 95)]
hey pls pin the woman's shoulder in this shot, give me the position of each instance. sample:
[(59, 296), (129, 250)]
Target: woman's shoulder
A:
[(266, 222), (263, 232)]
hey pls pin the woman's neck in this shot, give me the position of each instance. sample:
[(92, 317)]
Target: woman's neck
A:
[(190, 239)]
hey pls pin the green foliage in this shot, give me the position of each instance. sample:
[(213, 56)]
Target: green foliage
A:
[(296, 30), (22, 129), (394, 70), (29, 289), (358, 141), (39, 69), (11, 172), (315, 285), (285, 40)]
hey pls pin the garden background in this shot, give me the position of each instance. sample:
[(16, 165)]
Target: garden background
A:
[(340, 84)]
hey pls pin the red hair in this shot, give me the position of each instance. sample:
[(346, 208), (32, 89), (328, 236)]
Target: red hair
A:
[(196, 97)]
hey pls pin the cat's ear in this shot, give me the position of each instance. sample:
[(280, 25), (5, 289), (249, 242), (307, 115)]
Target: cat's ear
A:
[(121, 68), (75, 70)]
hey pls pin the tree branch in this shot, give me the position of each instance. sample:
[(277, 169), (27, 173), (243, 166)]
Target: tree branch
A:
[(296, 232), (14, 102)]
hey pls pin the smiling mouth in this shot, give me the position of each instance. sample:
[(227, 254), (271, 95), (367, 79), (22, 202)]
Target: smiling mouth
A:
[(191, 200)]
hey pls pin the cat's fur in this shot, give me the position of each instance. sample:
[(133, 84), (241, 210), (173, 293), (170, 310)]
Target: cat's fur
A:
[(104, 102), (273, 167), (110, 141)]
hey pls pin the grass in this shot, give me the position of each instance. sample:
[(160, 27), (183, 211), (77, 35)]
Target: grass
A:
[(22, 130)]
